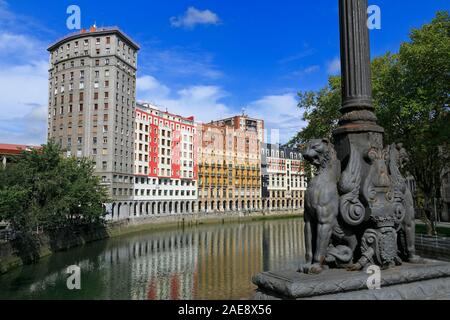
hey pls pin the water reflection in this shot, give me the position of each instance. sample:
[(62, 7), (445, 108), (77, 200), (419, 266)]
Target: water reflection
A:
[(211, 262)]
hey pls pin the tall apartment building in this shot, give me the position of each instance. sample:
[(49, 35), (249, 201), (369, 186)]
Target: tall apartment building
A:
[(92, 89), (283, 178), (229, 165), (165, 163)]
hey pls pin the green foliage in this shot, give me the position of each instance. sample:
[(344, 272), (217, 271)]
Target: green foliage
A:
[(43, 189), (411, 93), (320, 110)]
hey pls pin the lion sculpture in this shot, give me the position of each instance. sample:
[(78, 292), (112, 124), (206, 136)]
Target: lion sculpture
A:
[(321, 203)]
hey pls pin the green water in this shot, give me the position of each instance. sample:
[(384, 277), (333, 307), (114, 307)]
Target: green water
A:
[(206, 262)]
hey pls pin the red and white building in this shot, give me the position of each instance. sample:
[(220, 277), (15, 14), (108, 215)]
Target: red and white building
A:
[(165, 164)]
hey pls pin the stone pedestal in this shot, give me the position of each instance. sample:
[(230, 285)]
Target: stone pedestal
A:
[(424, 281)]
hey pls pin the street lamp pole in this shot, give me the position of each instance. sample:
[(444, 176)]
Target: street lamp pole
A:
[(357, 108)]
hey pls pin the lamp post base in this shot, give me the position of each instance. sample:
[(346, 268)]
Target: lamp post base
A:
[(427, 280)]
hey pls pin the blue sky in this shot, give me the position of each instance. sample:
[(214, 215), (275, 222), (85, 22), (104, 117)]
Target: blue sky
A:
[(203, 58)]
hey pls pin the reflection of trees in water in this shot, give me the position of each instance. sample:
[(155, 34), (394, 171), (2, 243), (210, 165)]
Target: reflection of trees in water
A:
[(211, 262)]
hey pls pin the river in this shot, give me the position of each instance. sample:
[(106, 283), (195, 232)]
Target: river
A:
[(205, 262)]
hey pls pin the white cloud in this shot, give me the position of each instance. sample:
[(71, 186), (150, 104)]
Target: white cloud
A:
[(201, 101), (12, 43), (151, 88), (193, 17), (18, 23), (205, 103), (334, 66), (280, 112), (311, 69), (298, 56), (22, 87), (180, 62), (31, 128), (23, 103), (23, 80), (306, 71)]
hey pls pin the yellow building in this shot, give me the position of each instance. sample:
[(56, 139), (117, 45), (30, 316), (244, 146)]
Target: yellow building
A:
[(229, 165)]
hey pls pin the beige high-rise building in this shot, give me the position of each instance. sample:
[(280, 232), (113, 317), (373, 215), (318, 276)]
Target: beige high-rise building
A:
[(92, 90)]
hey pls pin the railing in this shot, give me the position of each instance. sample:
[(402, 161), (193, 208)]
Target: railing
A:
[(7, 235), (436, 246)]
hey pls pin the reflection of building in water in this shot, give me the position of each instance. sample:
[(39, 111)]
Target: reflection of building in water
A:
[(228, 257), (115, 263), (213, 262), (164, 268), (283, 242), (231, 255)]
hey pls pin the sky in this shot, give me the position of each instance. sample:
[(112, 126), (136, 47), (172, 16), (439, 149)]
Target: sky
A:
[(206, 58)]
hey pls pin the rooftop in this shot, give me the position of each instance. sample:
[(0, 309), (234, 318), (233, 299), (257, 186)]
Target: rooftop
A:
[(15, 148), (91, 32), (146, 105)]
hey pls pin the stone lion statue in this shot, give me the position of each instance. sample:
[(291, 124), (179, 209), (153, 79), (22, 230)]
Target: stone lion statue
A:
[(398, 157), (321, 203)]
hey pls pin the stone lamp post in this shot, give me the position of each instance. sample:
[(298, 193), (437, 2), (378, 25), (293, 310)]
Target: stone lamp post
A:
[(359, 212)]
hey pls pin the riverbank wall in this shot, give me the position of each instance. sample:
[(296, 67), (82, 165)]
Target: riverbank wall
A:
[(14, 255)]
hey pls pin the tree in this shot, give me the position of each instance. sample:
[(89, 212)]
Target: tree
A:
[(44, 189), (411, 93), (321, 111)]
